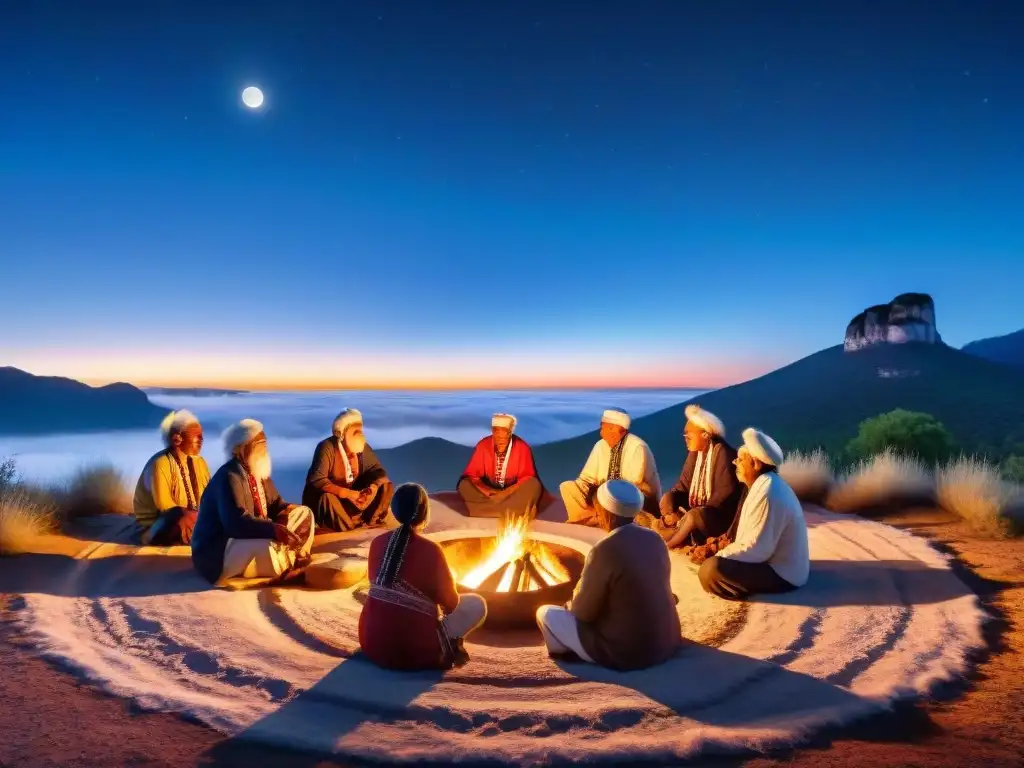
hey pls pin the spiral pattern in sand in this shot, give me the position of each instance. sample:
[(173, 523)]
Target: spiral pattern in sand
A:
[(883, 617)]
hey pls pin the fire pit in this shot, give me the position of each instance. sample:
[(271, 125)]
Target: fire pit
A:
[(514, 570)]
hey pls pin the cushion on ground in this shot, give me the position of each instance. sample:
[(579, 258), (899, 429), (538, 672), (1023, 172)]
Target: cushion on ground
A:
[(329, 571)]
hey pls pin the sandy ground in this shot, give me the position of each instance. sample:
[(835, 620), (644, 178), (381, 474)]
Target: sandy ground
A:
[(48, 719)]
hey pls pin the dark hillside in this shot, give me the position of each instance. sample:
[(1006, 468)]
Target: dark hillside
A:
[(34, 405)]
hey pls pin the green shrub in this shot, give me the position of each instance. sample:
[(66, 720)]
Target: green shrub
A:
[(907, 433), (1012, 469)]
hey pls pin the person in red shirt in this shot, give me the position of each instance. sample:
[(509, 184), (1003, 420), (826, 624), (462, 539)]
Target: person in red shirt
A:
[(414, 617), (501, 476)]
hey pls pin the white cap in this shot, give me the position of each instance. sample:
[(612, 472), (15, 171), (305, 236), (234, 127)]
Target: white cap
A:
[(505, 420), (762, 447), (240, 434), (620, 497), (616, 416), (346, 418), (705, 420)]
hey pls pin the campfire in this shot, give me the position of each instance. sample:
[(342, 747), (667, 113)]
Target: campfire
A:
[(514, 569), (515, 563)]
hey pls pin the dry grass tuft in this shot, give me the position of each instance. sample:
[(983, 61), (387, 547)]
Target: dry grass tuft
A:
[(973, 490), (809, 475), (880, 483), (100, 489), (26, 514)]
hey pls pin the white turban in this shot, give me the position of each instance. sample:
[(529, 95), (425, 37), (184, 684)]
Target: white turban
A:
[(240, 434), (176, 421), (616, 416), (762, 447), (506, 420), (345, 419), (705, 420), (620, 497)]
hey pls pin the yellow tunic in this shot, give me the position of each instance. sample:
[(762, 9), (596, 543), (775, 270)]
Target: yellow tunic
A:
[(161, 486)]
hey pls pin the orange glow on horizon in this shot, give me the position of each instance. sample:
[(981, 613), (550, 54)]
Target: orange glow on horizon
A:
[(709, 380), (401, 372)]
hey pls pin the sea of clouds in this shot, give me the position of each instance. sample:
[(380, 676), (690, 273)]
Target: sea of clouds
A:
[(296, 421)]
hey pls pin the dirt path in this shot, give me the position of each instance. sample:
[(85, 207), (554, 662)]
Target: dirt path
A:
[(48, 719)]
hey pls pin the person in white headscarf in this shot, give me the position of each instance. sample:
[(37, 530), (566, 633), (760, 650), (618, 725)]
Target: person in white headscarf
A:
[(168, 492), (623, 613), (501, 476), (245, 529), (619, 454), (769, 551), (346, 486), (703, 503)]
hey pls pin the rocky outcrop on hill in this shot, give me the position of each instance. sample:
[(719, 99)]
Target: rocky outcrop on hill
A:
[(908, 317)]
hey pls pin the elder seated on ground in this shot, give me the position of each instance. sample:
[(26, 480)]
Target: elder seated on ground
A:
[(769, 552), (501, 476), (346, 486), (619, 454), (623, 613), (702, 504), (245, 529), (414, 617), (167, 495)]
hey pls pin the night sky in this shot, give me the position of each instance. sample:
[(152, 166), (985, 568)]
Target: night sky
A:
[(498, 193)]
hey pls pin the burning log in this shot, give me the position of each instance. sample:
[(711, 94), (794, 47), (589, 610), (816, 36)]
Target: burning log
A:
[(520, 575), (517, 576), (491, 583), (536, 575)]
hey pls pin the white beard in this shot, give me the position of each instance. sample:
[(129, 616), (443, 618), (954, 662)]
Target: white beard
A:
[(356, 443), (261, 467)]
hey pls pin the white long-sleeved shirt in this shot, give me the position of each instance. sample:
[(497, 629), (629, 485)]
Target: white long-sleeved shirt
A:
[(772, 530), (637, 465)]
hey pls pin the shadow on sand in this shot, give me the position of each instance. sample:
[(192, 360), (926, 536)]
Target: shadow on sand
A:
[(835, 583), (324, 721), (313, 725), (128, 575)]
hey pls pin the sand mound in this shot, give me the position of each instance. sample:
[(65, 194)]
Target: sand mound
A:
[(882, 618)]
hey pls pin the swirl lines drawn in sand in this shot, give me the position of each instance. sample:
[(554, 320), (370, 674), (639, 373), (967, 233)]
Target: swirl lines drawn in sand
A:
[(882, 618)]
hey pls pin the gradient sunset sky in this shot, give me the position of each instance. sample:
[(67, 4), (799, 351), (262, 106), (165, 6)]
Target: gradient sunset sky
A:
[(498, 193)]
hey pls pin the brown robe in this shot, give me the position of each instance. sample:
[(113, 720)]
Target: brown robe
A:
[(715, 516), (326, 477), (624, 608)]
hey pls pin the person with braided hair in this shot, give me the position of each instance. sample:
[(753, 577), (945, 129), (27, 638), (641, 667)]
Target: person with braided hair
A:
[(167, 496), (414, 618)]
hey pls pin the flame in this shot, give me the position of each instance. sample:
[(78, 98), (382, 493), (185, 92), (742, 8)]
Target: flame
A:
[(549, 566), (512, 542), (511, 546)]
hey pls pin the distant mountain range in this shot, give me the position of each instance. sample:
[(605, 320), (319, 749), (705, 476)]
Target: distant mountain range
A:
[(34, 405), (193, 391), (1008, 349), (818, 401)]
